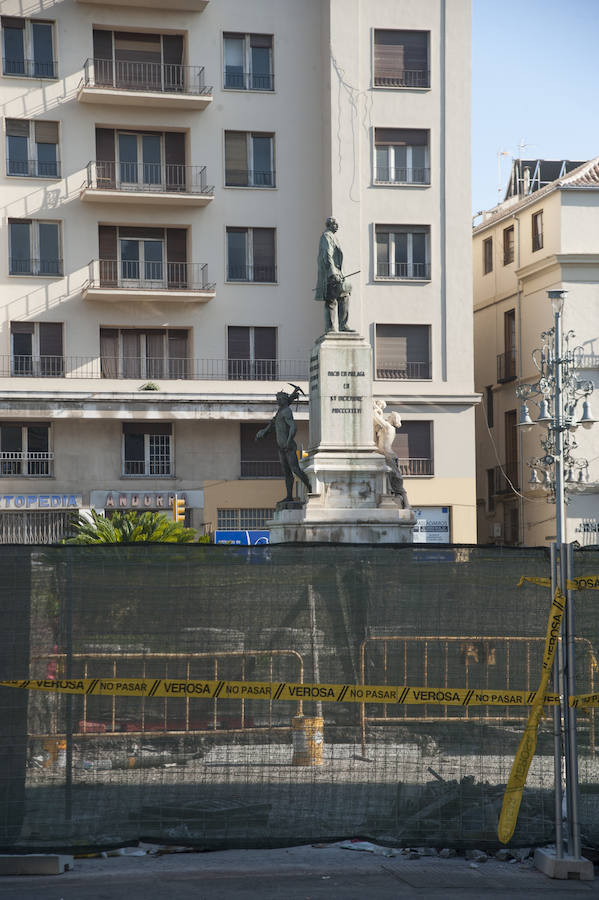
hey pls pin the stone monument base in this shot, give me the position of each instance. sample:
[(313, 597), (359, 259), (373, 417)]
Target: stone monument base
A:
[(349, 504)]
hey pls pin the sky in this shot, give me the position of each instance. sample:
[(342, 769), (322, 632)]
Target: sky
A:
[(535, 80)]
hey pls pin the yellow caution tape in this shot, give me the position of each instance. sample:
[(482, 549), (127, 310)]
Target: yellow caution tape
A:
[(526, 749), (282, 690), (584, 700), (580, 583)]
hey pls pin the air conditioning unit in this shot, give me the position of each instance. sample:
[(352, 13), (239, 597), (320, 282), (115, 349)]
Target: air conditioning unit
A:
[(495, 529)]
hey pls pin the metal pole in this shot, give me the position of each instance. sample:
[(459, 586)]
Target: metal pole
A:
[(557, 737), (560, 537), (314, 642), (574, 849), (68, 796)]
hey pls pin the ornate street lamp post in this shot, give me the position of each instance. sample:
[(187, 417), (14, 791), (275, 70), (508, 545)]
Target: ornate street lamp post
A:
[(563, 405)]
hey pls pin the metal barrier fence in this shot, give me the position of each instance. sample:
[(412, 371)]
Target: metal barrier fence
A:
[(118, 716), (486, 662)]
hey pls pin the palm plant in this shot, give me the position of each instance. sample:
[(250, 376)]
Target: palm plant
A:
[(129, 528)]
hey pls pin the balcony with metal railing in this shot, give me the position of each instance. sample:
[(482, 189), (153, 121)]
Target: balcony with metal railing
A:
[(418, 271), (262, 273), (44, 268), (119, 279), (131, 83), (235, 80), (408, 78), (17, 463), (392, 370), (165, 368), (415, 466), (506, 366), (30, 68), (147, 183), (401, 175), (33, 168)]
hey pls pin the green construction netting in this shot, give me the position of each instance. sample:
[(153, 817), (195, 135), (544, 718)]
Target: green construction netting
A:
[(94, 771)]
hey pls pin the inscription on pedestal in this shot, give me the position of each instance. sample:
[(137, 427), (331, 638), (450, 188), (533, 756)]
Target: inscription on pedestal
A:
[(341, 394)]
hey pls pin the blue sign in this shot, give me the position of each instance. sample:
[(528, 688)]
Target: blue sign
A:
[(247, 538)]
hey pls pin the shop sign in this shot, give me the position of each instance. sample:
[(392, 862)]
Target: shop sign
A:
[(144, 499), (40, 501), (432, 525)]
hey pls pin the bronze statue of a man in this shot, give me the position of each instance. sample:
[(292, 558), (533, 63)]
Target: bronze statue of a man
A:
[(284, 427), (331, 284)]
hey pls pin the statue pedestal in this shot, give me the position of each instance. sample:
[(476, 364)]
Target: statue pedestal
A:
[(350, 500)]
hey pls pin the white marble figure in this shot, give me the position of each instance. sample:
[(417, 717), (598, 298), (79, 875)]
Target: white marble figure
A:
[(384, 435)]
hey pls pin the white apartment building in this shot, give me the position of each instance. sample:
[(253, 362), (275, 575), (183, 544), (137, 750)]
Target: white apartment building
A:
[(542, 237), (165, 180)]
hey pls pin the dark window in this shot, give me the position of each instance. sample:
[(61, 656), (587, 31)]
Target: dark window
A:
[(401, 59), (402, 156), (259, 459), (28, 48), (34, 247), (147, 449), (487, 256), (152, 353), (249, 159), (508, 245), (490, 490), (537, 231), (252, 352), (489, 405), (251, 254), (413, 446), (248, 62), (24, 450), (403, 351), (402, 251)]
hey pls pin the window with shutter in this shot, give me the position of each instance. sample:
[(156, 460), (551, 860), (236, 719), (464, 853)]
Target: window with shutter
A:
[(401, 59), (248, 62), (413, 447), (34, 247), (402, 251), (236, 159), (403, 351), (252, 352), (28, 47), (32, 148), (37, 349), (147, 448), (402, 155), (264, 254)]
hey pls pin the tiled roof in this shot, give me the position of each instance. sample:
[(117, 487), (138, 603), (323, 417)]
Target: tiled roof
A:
[(586, 174)]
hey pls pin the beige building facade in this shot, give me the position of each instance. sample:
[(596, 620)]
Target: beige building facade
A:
[(541, 237), (165, 182)]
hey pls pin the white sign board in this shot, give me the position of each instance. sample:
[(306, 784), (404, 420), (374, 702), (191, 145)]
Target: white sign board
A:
[(432, 525)]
